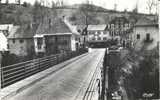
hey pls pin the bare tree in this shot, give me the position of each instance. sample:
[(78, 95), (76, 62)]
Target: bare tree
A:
[(7, 1), (151, 4)]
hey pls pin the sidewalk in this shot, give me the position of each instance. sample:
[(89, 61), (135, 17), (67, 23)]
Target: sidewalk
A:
[(26, 83)]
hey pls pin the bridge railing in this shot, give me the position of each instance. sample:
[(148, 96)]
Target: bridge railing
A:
[(16, 72)]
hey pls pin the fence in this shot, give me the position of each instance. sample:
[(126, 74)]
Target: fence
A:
[(16, 72)]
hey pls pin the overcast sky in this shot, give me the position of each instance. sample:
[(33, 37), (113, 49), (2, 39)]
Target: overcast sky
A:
[(109, 4)]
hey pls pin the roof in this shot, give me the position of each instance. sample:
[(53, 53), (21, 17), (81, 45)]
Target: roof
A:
[(121, 18), (24, 31), (143, 21), (6, 26), (58, 26), (96, 27)]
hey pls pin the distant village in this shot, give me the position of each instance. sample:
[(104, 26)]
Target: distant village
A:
[(66, 32)]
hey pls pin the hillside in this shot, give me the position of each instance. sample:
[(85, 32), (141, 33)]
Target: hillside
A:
[(19, 14)]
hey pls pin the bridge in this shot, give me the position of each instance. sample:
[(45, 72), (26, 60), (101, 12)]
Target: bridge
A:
[(73, 76)]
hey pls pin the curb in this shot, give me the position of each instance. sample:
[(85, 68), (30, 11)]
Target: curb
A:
[(18, 87)]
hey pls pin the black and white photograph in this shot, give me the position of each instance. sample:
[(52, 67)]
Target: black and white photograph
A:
[(79, 50)]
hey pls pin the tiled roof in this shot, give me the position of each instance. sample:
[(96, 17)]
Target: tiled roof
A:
[(57, 26), (143, 21), (24, 31), (96, 27)]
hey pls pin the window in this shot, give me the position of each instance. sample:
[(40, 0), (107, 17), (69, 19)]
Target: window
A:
[(93, 38), (99, 38), (21, 41), (105, 38), (13, 41), (147, 36), (138, 36)]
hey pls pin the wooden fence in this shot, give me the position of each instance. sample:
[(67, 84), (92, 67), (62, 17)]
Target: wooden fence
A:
[(16, 72)]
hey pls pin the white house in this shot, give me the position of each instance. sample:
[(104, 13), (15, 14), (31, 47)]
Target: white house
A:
[(3, 42), (146, 31), (5, 30)]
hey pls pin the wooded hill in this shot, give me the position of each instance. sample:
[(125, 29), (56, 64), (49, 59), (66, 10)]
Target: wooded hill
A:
[(26, 13)]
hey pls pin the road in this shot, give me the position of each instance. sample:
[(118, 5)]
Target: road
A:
[(66, 83)]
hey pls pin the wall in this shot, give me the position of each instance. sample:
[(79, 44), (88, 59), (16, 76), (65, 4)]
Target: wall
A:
[(143, 30), (73, 43), (3, 42), (49, 44), (93, 35), (20, 49)]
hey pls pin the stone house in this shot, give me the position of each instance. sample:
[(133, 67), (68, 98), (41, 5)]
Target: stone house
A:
[(21, 41), (55, 36)]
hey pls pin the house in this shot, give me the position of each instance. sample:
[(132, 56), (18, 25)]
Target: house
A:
[(4, 32), (6, 28), (3, 42), (146, 31), (97, 33), (21, 41), (121, 28), (55, 36)]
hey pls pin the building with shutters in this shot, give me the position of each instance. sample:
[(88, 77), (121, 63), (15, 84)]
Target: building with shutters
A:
[(146, 31), (97, 35), (121, 28)]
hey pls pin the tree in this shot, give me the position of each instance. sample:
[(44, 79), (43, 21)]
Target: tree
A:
[(53, 4), (135, 10), (25, 4), (19, 2), (151, 4), (7, 1), (36, 12)]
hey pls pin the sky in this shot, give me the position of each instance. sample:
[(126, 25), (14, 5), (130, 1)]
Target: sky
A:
[(109, 4)]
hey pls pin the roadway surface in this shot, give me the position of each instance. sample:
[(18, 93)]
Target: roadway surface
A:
[(66, 83)]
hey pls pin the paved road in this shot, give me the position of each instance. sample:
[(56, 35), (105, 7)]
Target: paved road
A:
[(66, 83)]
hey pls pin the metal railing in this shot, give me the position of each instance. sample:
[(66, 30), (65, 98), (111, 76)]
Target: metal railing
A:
[(16, 72)]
